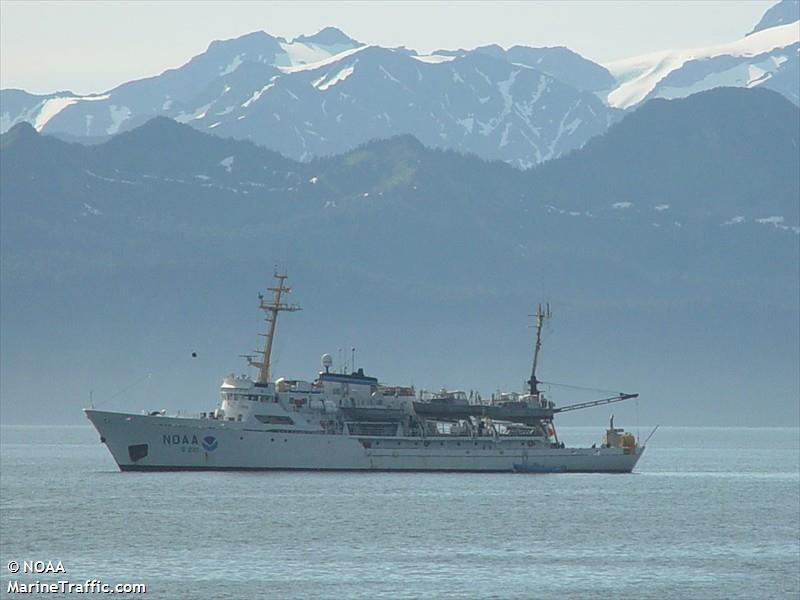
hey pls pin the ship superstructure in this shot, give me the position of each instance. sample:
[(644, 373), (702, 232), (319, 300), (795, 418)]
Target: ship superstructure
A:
[(350, 421)]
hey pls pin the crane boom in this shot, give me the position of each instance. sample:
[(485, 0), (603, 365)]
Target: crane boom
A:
[(612, 399)]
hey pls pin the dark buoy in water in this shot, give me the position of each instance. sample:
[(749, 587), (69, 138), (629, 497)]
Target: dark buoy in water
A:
[(194, 354)]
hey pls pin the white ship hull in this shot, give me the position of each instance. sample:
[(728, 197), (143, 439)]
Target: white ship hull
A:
[(159, 443)]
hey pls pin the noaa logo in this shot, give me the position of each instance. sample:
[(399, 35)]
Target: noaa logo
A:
[(209, 443)]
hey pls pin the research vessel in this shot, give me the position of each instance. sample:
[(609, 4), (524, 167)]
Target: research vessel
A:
[(346, 420)]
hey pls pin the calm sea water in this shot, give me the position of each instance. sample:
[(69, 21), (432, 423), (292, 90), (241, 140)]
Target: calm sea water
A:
[(709, 513)]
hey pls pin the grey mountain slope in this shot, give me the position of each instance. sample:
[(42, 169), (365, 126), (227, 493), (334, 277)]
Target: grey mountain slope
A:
[(427, 261), (635, 161), (781, 13), (558, 62)]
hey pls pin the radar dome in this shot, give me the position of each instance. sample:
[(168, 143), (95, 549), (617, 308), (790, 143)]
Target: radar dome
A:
[(327, 361)]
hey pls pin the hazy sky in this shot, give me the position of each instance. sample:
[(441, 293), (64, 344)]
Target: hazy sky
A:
[(93, 46)]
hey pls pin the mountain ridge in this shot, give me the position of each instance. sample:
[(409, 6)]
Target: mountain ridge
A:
[(324, 93), (238, 88)]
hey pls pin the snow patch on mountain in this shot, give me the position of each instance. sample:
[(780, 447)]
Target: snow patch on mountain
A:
[(504, 88), (340, 76), (738, 220), (199, 113), (389, 75), (433, 59), (638, 76), (504, 137), (569, 129), (6, 122), (91, 210), (323, 62), (234, 64), (51, 107), (467, 123), (779, 223), (119, 114), (257, 94), (227, 163), (300, 53)]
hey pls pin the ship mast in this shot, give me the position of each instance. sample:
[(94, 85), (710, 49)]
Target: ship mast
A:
[(271, 309), (542, 315)]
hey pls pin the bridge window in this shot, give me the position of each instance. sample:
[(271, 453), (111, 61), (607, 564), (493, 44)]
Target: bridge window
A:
[(275, 419)]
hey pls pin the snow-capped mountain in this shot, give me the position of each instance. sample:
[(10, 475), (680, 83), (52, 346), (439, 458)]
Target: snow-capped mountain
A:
[(767, 57), (473, 103), (175, 92), (327, 93), (323, 94)]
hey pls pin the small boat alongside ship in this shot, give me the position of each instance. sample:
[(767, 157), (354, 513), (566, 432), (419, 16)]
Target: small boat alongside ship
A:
[(350, 421)]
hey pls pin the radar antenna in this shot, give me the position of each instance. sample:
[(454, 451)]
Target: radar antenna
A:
[(542, 314), (271, 309)]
